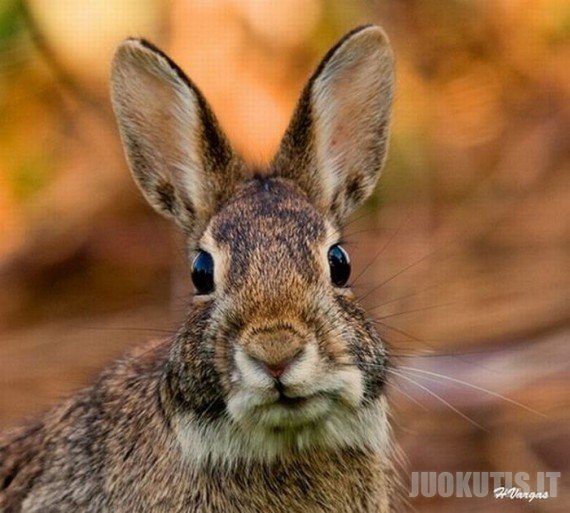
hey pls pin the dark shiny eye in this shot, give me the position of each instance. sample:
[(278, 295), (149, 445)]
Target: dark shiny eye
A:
[(203, 272), (339, 264)]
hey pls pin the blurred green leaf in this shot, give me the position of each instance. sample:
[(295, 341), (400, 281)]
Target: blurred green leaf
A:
[(11, 20), (31, 175)]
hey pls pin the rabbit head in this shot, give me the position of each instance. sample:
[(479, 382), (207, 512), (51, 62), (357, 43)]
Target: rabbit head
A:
[(276, 357)]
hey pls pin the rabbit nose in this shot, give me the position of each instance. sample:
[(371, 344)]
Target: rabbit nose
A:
[(274, 352), (276, 370)]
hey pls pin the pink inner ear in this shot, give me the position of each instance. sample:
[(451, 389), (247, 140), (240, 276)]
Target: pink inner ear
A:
[(345, 111), (344, 123), (351, 103)]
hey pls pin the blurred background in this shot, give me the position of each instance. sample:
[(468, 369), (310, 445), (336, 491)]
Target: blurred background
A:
[(462, 255)]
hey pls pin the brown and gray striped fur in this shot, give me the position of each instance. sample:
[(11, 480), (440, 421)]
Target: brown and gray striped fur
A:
[(200, 422)]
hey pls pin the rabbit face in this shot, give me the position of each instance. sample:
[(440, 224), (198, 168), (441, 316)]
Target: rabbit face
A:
[(293, 358), (276, 356), (289, 339)]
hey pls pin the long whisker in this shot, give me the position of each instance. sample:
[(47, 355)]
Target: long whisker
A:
[(388, 242), (439, 398), (436, 376), (357, 218), (431, 307), (406, 296), (346, 238), (400, 390), (411, 354), (128, 328), (454, 354), (402, 332), (388, 280), (407, 334)]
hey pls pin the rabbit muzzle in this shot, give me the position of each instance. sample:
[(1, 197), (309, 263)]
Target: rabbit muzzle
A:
[(283, 382)]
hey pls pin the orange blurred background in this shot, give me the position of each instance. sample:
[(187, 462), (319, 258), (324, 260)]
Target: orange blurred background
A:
[(463, 253)]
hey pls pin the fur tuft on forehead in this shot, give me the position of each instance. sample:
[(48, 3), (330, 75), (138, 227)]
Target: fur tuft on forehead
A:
[(274, 203), (273, 237)]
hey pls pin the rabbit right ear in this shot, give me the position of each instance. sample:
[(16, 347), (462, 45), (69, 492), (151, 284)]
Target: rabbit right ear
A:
[(335, 145), (177, 153)]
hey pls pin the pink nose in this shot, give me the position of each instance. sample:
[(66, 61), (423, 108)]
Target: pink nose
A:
[(274, 350), (276, 370)]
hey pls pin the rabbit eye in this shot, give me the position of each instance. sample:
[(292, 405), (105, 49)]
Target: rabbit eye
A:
[(339, 264), (203, 272)]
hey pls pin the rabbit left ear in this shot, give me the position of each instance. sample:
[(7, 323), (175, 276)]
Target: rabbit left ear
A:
[(335, 145), (177, 153)]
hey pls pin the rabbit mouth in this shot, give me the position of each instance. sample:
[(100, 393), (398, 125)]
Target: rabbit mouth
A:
[(290, 413), (291, 402)]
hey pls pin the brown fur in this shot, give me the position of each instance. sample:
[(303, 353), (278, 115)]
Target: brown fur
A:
[(111, 449), (194, 423)]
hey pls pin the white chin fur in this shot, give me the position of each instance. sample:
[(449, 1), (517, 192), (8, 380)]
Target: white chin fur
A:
[(259, 429), (227, 443)]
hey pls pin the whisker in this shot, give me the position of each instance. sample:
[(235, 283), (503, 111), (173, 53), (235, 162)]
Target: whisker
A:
[(357, 218), (388, 280), (439, 398), (431, 307), (454, 354), (410, 354), (388, 242), (400, 390), (358, 232), (437, 351), (436, 375), (127, 328), (402, 332), (443, 354), (406, 296)]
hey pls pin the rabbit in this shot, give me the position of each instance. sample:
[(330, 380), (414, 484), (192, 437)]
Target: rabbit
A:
[(271, 395)]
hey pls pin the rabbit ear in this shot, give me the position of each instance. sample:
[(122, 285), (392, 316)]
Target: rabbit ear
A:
[(178, 155), (335, 145)]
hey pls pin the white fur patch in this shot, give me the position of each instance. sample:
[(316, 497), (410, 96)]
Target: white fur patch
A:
[(226, 443), (259, 428)]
